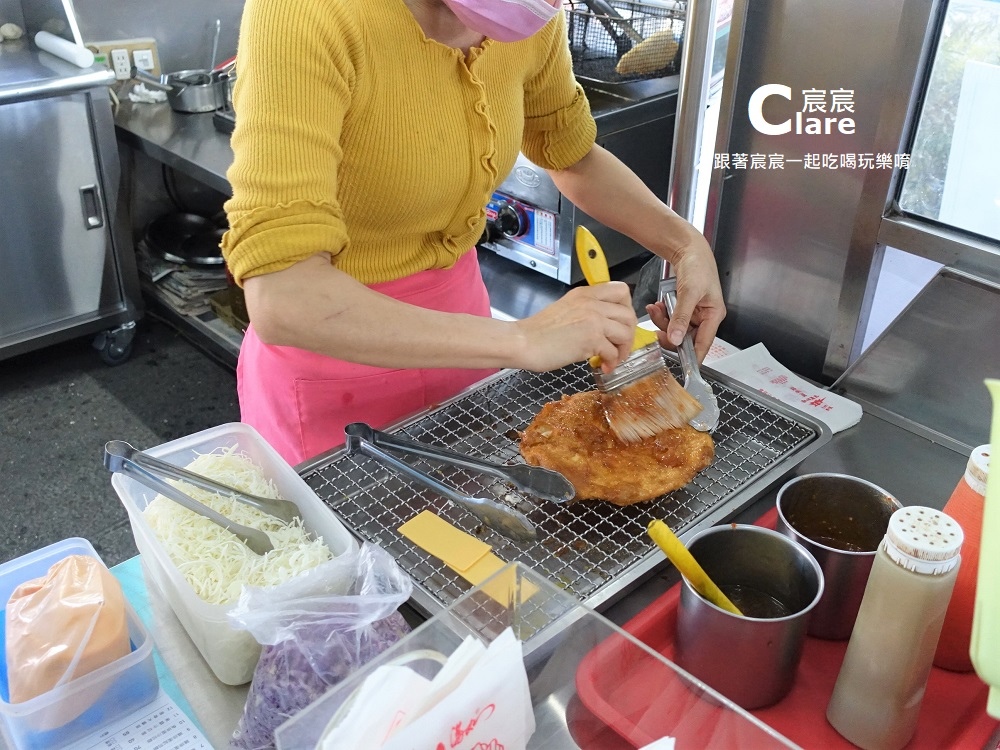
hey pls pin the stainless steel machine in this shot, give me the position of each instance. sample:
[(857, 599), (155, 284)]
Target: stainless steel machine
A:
[(528, 220), (66, 263)]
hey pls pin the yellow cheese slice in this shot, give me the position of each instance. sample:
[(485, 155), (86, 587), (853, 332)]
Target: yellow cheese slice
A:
[(458, 550), (504, 588), (468, 556), (480, 570)]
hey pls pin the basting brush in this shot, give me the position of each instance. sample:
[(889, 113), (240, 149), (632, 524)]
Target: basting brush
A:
[(642, 397)]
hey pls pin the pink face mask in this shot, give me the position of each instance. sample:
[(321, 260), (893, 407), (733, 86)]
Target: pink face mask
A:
[(504, 20)]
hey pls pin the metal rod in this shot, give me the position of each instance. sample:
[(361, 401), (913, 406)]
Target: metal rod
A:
[(696, 67)]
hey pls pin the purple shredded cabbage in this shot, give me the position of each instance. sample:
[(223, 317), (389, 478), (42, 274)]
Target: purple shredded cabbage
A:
[(293, 673)]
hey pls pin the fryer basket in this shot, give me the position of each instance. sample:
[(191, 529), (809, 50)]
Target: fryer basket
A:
[(602, 32), (593, 550)]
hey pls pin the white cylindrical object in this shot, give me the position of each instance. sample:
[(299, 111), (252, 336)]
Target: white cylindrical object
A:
[(74, 53)]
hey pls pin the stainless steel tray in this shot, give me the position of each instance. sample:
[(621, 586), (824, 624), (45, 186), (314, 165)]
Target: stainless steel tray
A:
[(595, 551)]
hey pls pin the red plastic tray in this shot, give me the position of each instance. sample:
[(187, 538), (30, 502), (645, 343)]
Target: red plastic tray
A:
[(953, 714)]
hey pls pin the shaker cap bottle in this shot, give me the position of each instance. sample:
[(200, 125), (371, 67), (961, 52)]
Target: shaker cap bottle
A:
[(923, 540), (876, 699)]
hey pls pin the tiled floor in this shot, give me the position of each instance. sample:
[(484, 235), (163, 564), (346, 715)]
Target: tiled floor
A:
[(60, 404)]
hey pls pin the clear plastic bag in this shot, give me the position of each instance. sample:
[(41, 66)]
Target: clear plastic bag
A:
[(63, 625), (315, 630)]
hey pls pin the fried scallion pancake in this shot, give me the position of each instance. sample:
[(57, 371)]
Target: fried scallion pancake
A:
[(572, 436)]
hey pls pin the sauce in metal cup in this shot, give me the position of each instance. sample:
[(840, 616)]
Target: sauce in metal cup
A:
[(840, 520), (751, 660)]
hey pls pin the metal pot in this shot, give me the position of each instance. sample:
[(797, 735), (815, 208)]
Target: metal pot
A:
[(225, 74), (187, 90)]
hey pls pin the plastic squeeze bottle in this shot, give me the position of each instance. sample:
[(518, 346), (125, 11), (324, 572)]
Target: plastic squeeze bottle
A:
[(986, 620), (879, 689), (965, 506)]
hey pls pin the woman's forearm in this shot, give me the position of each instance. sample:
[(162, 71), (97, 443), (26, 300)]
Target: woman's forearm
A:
[(611, 193), (314, 306), (604, 188)]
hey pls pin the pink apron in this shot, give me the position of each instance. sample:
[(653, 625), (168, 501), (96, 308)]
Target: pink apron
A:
[(300, 401)]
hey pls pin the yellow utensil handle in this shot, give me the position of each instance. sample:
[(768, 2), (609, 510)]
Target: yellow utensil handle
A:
[(591, 257), (594, 265), (684, 561)]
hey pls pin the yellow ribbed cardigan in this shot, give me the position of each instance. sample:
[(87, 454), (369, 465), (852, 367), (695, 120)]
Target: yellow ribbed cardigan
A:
[(358, 136)]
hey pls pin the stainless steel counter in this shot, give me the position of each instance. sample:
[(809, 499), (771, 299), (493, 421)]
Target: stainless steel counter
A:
[(188, 143)]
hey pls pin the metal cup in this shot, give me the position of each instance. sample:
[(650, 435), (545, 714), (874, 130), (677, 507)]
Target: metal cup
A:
[(749, 659), (841, 520)]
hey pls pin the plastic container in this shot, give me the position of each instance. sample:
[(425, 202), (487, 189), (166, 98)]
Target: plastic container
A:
[(560, 637), (115, 689), (879, 691), (966, 506), (985, 646), (231, 653)]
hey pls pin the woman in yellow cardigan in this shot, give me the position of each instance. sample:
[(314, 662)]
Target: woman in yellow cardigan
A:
[(370, 135)]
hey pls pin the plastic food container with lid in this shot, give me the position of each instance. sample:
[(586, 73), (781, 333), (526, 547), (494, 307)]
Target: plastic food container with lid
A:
[(110, 692), (231, 653)]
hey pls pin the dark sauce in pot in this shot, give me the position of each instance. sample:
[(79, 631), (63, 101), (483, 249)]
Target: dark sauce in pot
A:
[(754, 602), (839, 543)]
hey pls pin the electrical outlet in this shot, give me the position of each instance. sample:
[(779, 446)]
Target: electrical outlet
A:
[(143, 59), (121, 64), (121, 54)]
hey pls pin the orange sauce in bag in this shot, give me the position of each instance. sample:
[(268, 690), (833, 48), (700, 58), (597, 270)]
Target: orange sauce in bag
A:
[(64, 625)]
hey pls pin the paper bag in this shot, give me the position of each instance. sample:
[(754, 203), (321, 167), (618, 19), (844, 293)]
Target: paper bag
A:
[(479, 700)]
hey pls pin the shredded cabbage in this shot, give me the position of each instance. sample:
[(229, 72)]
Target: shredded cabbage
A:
[(213, 560)]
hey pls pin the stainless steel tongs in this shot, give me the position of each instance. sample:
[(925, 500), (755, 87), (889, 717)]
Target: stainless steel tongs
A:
[(509, 521), (708, 418), (120, 457)]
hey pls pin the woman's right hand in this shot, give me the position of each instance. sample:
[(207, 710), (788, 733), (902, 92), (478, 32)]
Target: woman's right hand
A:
[(588, 320)]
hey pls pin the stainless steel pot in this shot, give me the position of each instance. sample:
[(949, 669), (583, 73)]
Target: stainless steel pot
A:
[(187, 90)]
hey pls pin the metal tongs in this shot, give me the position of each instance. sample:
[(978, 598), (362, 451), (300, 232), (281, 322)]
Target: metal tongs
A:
[(708, 418), (510, 522), (120, 457)]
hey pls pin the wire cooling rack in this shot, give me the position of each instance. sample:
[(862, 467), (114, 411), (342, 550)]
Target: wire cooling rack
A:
[(593, 550)]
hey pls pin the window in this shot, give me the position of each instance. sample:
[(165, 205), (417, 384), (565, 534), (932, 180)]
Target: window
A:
[(954, 171)]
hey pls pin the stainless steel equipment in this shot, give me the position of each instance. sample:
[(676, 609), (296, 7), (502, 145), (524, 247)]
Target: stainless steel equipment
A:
[(595, 551), (528, 220), (694, 383), (535, 480), (66, 262), (119, 455), (198, 90)]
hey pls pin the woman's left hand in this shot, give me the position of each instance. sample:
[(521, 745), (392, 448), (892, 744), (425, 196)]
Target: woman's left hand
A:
[(699, 298), (607, 190)]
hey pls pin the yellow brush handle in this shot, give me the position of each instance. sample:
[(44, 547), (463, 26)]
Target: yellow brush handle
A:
[(591, 257), (684, 561), (594, 265)]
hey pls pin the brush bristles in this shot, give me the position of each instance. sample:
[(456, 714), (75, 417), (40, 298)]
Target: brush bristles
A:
[(649, 406)]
